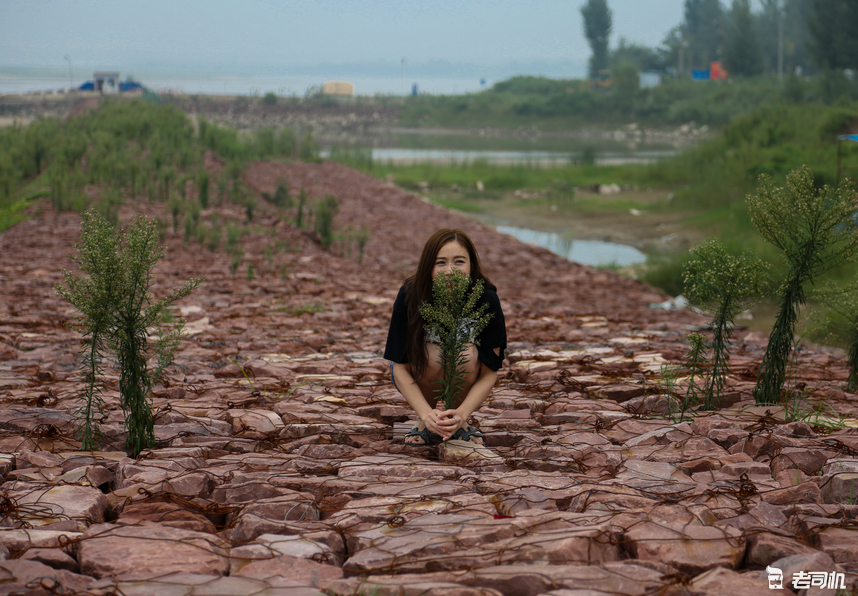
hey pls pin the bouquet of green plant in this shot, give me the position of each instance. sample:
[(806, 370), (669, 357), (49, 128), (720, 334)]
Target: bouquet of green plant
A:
[(453, 320)]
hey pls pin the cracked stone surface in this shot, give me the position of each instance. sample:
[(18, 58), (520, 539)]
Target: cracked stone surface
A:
[(280, 468)]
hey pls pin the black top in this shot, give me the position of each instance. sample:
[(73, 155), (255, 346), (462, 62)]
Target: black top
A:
[(493, 336)]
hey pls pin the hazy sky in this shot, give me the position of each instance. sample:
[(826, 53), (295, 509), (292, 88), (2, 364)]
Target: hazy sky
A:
[(227, 35)]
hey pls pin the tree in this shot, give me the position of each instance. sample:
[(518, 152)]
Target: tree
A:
[(722, 285), (641, 56), (769, 24), (597, 30), (815, 230), (118, 312), (670, 50), (832, 26), (782, 33), (742, 49), (703, 32), (796, 39)]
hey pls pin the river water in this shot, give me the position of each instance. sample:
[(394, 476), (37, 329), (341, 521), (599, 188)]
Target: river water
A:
[(404, 156), (594, 253)]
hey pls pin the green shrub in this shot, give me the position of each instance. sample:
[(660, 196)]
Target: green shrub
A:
[(722, 285), (816, 232), (325, 210), (269, 98), (841, 322), (665, 272), (203, 187), (302, 202), (117, 312), (281, 197)]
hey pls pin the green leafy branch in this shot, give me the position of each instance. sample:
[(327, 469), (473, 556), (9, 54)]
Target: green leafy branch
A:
[(816, 231), (452, 320), (722, 285)]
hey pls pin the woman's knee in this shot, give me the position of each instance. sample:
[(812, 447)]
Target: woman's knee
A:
[(433, 361), (472, 366), (434, 369)]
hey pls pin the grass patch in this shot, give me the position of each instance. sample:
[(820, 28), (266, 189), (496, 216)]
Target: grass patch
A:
[(129, 149), (463, 206), (306, 307), (556, 104), (13, 213)]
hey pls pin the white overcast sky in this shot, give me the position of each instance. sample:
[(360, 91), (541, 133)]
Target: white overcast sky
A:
[(228, 35)]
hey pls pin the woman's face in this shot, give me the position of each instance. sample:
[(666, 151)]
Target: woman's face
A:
[(452, 256)]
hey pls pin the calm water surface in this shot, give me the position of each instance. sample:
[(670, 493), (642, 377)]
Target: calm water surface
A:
[(545, 158), (594, 253)]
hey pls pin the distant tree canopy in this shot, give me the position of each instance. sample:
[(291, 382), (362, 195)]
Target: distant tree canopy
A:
[(832, 26), (750, 38), (643, 57), (597, 30), (742, 54), (797, 36), (703, 31)]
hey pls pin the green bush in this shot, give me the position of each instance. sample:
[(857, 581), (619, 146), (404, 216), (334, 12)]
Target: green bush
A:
[(816, 232), (117, 312), (722, 285), (325, 210), (203, 187), (281, 197), (666, 272)]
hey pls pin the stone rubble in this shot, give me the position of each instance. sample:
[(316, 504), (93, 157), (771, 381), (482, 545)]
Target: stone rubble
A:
[(280, 469)]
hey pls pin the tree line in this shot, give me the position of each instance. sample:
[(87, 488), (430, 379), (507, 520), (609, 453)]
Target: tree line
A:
[(798, 37)]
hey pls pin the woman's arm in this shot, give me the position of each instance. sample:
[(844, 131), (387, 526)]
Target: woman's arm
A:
[(414, 396)]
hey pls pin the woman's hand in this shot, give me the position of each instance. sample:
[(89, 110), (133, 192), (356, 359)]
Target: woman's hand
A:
[(449, 421), (432, 420)]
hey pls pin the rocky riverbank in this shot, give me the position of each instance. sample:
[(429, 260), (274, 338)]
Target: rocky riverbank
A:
[(280, 470)]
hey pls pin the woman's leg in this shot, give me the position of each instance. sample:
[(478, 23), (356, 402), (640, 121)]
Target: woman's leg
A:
[(428, 384)]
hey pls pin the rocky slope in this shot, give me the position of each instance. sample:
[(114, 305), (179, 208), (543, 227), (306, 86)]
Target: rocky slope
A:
[(280, 470)]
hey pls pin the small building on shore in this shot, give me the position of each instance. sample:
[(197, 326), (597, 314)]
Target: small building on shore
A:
[(108, 82), (343, 88)]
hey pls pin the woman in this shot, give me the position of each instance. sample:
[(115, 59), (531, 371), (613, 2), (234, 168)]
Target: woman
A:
[(415, 366)]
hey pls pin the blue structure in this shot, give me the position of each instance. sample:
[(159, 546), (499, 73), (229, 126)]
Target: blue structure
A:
[(109, 81), (840, 140)]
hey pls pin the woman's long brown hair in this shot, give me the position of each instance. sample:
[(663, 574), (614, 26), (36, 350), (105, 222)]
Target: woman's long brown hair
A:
[(419, 288)]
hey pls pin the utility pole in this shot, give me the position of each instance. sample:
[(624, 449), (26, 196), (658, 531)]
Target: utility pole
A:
[(780, 43), (71, 72)]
